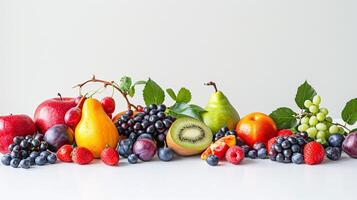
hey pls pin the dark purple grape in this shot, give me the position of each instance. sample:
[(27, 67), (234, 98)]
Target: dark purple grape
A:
[(159, 124), (150, 129)]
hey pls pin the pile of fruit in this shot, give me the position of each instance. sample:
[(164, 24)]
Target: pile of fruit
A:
[(81, 129)]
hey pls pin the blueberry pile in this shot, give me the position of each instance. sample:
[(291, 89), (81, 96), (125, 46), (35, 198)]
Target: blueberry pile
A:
[(224, 131), (259, 150), (152, 121), (334, 149), (287, 149), (27, 151)]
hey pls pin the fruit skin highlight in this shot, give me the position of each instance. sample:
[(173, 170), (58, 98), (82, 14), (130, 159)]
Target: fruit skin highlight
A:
[(256, 127), (96, 129)]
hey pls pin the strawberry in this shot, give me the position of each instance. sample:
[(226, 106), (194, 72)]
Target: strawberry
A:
[(314, 153), (284, 132), (109, 156), (64, 153), (82, 155), (270, 143)]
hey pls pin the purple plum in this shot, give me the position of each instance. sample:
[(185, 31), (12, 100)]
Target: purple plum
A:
[(57, 136), (349, 146), (145, 149)]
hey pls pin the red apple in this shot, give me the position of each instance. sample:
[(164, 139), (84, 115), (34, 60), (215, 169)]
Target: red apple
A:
[(52, 112), (256, 127), (14, 125)]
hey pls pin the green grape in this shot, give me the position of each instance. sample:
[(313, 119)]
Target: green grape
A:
[(320, 116), (324, 111), (321, 135), (305, 120), (341, 130), (329, 119), (321, 126), (321, 141), (303, 127), (334, 129), (307, 103), (314, 109), (312, 131), (316, 100), (313, 121)]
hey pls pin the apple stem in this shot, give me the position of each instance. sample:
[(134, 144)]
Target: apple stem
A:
[(106, 83), (211, 83), (60, 96)]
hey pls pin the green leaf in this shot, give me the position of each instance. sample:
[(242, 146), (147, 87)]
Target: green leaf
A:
[(304, 92), (139, 83), (153, 93), (131, 91), (125, 83), (197, 109), (183, 96), (171, 93), (185, 110), (284, 118), (349, 112)]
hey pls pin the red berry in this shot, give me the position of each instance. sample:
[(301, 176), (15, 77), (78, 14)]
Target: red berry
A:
[(270, 143), (82, 155), (314, 153), (64, 153), (284, 132), (110, 156), (73, 116), (235, 155), (108, 104)]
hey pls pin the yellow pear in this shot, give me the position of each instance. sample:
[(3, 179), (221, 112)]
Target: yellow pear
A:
[(95, 130)]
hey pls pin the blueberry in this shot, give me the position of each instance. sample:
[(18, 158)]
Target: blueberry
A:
[(153, 106), (296, 148), (212, 160), (24, 144), (35, 143), (24, 154), (280, 157), (297, 158), (336, 140), (15, 162), (161, 107), (301, 141), (279, 140), (153, 118), (230, 133), (262, 153), (258, 145), (6, 159), (272, 158), (28, 137), (159, 124), (15, 154), (292, 140), (153, 112), (303, 135), (132, 136), (286, 144), (11, 146), (34, 154), (165, 154), (132, 158), (224, 129), (17, 140), (150, 129), (16, 148), (146, 110), (145, 124), (43, 146), (219, 135), (333, 153), (25, 164), (131, 122), (44, 153), (246, 149), (277, 147), (161, 115), (52, 158), (167, 123), (272, 152), (252, 154), (39, 137), (40, 160), (287, 153), (125, 147), (287, 160), (136, 119), (32, 160)]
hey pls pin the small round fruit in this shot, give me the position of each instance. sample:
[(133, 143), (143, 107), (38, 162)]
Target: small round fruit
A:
[(132, 158), (64, 153), (40, 160), (320, 116), (58, 135), (333, 153), (235, 155), (305, 120), (52, 158), (336, 140), (262, 153), (313, 109), (212, 160), (297, 158), (321, 126), (6, 159), (303, 127), (316, 100), (313, 121), (324, 111), (73, 116), (145, 149), (15, 162), (165, 154), (259, 145), (108, 104), (110, 156), (312, 131), (307, 103), (252, 154), (321, 135), (25, 164), (333, 129)]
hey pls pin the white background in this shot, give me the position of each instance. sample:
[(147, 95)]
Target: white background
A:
[(257, 51)]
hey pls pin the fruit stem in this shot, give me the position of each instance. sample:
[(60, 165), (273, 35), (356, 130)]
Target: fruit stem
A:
[(106, 83), (60, 96), (338, 124), (211, 83)]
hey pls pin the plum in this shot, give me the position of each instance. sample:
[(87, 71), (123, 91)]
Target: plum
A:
[(145, 149), (349, 146), (57, 136)]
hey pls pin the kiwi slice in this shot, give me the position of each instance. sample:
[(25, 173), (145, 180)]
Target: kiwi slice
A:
[(189, 136)]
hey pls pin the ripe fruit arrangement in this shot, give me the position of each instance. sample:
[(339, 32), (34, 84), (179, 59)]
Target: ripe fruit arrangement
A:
[(79, 130)]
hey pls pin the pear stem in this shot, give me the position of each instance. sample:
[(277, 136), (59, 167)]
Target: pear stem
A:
[(106, 83), (211, 83)]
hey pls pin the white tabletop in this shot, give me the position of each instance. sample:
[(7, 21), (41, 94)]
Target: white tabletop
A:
[(183, 178)]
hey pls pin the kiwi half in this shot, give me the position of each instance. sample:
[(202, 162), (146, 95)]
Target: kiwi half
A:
[(189, 136)]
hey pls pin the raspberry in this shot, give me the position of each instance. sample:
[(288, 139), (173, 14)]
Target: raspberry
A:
[(235, 155)]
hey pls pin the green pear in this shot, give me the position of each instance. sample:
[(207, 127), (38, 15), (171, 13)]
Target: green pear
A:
[(220, 112)]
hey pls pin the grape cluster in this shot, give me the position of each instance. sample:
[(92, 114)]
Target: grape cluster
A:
[(27, 151), (287, 149), (153, 121), (316, 123)]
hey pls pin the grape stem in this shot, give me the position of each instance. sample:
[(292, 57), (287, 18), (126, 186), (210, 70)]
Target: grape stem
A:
[(106, 83)]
